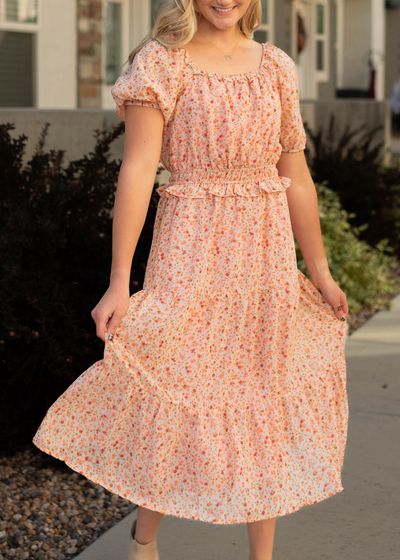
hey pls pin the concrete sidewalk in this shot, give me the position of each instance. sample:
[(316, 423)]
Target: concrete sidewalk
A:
[(360, 523)]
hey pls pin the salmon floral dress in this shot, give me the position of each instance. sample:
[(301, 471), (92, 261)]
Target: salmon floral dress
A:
[(222, 396)]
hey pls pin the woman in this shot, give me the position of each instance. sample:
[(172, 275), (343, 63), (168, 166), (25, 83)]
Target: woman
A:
[(222, 392)]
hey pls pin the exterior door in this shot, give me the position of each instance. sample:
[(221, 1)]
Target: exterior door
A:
[(303, 36)]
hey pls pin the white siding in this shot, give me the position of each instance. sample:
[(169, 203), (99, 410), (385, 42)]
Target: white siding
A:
[(57, 55), (356, 43), (378, 45)]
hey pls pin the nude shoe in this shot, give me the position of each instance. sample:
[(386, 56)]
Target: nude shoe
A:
[(139, 551)]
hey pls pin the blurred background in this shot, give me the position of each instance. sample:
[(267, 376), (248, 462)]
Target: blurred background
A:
[(61, 145), (66, 55)]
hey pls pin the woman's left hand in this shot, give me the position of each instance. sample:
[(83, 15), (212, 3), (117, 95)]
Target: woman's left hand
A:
[(335, 296)]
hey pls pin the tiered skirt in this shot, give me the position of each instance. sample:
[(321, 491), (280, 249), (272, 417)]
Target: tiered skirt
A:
[(222, 396)]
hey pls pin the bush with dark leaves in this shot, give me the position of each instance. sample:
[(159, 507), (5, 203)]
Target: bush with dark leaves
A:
[(55, 246), (352, 166)]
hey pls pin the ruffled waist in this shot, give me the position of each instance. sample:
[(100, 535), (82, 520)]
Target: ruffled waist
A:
[(239, 181)]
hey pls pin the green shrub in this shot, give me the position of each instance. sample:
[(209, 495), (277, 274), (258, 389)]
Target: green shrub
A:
[(362, 272)]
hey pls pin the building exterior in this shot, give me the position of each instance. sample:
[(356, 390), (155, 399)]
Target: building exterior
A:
[(64, 54), (392, 44)]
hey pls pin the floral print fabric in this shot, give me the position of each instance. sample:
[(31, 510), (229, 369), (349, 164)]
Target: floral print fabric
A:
[(223, 396)]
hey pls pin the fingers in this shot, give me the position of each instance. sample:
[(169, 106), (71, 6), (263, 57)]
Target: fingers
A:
[(106, 326), (330, 293), (109, 312), (113, 324), (101, 326), (342, 309)]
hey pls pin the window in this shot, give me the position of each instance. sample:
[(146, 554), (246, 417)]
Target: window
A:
[(155, 4), (113, 34), (18, 11), (264, 32), (16, 69), (321, 40), (18, 31)]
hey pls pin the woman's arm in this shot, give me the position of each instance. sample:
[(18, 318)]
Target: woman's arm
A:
[(142, 148), (304, 216)]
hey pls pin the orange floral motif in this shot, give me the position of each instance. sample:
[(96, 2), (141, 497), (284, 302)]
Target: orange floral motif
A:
[(222, 396)]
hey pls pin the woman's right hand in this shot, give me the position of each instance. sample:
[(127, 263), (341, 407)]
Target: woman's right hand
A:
[(110, 310)]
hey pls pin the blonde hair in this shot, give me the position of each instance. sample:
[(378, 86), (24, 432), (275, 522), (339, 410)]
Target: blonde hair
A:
[(177, 20)]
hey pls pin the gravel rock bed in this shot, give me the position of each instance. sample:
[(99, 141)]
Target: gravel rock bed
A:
[(49, 511)]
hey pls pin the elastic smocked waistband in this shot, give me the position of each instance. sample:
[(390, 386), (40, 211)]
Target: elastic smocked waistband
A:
[(235, 181), (231, 174)]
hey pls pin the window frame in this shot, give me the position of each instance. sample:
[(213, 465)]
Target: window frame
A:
[(125, 47), (34, 30), (321, 75), (269, 27), (20, 26), (104, 39)]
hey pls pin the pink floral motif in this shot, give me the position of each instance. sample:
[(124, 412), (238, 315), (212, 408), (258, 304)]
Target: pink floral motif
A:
[(223, 394)]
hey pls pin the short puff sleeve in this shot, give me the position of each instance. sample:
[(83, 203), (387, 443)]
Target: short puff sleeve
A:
[(150, 81), (292, 133)]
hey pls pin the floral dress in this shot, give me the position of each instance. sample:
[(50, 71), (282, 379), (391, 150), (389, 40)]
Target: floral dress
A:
[(222, 396)]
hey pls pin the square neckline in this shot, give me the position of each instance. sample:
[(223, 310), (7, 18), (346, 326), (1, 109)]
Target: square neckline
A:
[(189, 60)]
